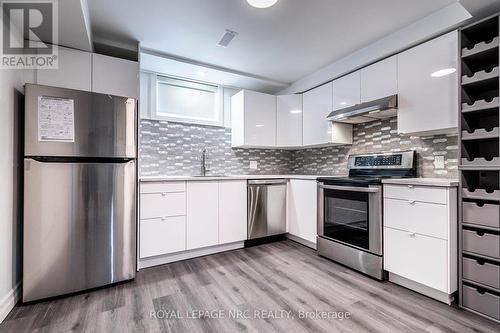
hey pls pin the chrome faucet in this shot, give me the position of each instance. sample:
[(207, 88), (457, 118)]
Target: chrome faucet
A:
[(204, 168)]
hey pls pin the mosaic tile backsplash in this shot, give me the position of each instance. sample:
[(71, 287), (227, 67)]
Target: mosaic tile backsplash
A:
[(174, 149)]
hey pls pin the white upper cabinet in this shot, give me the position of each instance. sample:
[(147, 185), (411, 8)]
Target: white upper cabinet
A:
[(346, 91), (115, 76), (317, 130), (73, 72), (253, 119), (289, 125), (317, 106), (379, 80), (428, 104)]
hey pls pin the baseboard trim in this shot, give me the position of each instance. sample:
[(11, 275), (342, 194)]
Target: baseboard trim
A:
[(184, 255), (9, 301), (302, 241), (422, 289)]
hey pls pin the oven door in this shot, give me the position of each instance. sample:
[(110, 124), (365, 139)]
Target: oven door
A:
[(351, 215)]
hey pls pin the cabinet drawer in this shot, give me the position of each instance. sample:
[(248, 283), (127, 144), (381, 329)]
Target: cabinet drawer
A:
[(424, 218), (418, 193), (487, 214), (162, 236), (416, 257), (482, 272), (162, 204), (163, 187), (484, 302), (481, 243)]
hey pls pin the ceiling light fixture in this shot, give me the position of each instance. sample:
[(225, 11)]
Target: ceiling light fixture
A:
[(444, 72), (296, 111), (259, 125), (262, 3), (343, 103)]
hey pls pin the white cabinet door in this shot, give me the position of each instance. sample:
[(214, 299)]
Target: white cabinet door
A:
[(289, 124), (419, 258), (253, 119), (115, 76), (379, 80), (346, 91), (428, 104), (202, 214), (302, 209), (162, 236), (260, 119), (317, 104), (73, 72), (232, 211)]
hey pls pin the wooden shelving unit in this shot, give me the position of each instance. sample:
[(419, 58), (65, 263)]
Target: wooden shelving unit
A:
[(479, 166)]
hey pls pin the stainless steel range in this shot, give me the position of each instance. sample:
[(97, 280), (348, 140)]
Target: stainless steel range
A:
[(350, 210)]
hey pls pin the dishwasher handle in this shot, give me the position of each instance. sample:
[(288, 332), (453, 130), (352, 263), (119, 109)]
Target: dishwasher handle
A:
[(260, 182)]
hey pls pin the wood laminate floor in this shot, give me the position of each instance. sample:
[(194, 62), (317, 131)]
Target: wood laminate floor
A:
[(271, 286)]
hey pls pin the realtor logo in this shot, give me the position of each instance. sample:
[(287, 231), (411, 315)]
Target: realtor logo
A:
[(29, 33)]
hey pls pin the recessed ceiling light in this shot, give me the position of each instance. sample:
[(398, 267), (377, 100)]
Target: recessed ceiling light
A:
[(262, 3), (259, 125), (296, 111), (201, 73), (343, 103), (444, 72)]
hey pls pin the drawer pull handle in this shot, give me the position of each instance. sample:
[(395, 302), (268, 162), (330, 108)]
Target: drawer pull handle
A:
[(411, 202), (164, 194), (163, 218), (411, 234), (410, 186)]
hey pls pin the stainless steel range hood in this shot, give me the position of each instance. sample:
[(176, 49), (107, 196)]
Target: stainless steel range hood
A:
[(365, 112)]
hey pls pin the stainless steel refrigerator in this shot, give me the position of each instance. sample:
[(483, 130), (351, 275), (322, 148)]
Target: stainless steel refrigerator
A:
[(79, 191)]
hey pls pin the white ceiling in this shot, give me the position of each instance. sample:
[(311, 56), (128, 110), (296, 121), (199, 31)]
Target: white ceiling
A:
[(282, 43)]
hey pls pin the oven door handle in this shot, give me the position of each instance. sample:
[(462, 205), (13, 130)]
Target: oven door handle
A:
[(350, 188)]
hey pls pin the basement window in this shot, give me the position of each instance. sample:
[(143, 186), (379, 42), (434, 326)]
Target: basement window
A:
[(186, 101)]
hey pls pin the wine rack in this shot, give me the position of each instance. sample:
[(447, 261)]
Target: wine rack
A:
[(479, 169)]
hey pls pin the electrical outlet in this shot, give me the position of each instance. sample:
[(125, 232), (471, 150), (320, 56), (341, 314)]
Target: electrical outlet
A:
[(439, 162), (253, 165)]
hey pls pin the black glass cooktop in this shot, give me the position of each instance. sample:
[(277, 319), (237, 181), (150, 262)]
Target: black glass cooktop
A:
[(355, 181)]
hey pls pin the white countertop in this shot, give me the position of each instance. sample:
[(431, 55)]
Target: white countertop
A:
[(405, 181), (232, 177), (422, 181)]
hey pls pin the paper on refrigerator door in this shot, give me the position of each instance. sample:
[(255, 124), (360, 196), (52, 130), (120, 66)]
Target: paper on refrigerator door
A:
[(56, 119)]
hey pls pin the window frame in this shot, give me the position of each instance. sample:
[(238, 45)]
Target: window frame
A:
[(181, 82)]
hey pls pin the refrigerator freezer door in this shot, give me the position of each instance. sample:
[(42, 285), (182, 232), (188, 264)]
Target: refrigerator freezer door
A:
[(101, 125), (79, 226)]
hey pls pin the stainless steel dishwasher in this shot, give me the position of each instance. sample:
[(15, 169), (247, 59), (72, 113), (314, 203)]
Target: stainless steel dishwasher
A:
[(266, 207)]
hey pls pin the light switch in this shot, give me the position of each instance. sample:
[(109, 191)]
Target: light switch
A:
[(439, 162), (253, 165)]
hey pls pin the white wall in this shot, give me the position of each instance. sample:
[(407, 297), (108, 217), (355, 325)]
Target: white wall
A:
[(421, 30), (11, 87)]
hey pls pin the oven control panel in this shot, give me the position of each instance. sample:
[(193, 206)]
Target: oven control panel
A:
[(397, 160), (380, 160)]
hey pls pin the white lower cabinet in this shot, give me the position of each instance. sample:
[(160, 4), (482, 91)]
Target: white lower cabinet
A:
[(162, 226), (420, 238), (162, 235), (232, 211), (178, 216), (420, 258), (202, 214), (302, 209)]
